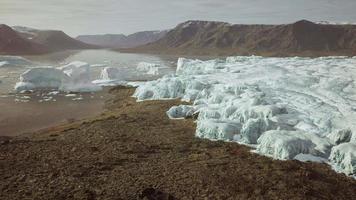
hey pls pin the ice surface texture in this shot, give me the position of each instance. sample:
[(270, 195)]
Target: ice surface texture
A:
[(74, 77), (300, 108)]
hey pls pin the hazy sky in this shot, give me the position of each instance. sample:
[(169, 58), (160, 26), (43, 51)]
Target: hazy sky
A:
[(128, 16)]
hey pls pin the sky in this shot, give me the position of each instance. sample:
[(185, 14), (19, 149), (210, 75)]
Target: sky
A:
[(77, 17)]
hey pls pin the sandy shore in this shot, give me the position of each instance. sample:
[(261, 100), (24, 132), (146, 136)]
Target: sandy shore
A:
[(134, 151)]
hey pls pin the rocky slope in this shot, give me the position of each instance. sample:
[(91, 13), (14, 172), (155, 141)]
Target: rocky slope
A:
[(12, 43), (123, 41), (302, 38), (22, 40), (53, 40)]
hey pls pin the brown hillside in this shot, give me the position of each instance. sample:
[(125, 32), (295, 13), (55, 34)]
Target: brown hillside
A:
[(302, 38)]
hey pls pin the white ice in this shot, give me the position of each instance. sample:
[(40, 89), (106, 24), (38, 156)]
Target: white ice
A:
[(152, 68), (73, 77), (14, 61), (110, 76), (284, 106)]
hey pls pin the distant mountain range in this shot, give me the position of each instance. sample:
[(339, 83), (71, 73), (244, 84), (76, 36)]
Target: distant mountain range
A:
[(121, 40), (303, 38), (22, 40)]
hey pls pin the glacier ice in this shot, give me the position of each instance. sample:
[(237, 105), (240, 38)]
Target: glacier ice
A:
[(289, 108), (74, 77), (40, 78), (182, 111), (110, 73), (78, 78), (343, 156), (149, 68), (285, 144)]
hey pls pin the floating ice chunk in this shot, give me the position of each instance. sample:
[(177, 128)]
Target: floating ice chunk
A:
[(78, 78), (110, 76), (70, 95), (343, 157), (217, 130), (40, 78), (14, 61), (53, 93), (179, 112), (98, 65), (111, 73)]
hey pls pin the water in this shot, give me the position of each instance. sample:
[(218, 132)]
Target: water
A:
[(21, 113), (105, 58)]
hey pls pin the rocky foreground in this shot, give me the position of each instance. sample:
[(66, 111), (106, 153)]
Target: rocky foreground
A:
[(133, 151)]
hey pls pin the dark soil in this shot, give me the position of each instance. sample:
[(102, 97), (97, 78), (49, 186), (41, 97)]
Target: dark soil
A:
[(134, 151)]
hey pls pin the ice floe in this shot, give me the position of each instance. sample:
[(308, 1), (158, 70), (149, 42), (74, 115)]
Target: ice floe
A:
[(14, 61), (288, 108)]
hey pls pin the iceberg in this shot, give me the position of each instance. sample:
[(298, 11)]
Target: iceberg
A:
[(74, 77), (288, 108), (110, 73), (78, 78), (40, 78)]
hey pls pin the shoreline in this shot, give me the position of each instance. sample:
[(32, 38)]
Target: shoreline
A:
[(36, 114), (134, 150)]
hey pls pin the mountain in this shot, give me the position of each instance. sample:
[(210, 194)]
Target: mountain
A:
[(53, 40), (123, 41), (12, 43), (303, 38)]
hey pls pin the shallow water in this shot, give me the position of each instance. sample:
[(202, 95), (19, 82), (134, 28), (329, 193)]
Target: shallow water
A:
[(24, 113)]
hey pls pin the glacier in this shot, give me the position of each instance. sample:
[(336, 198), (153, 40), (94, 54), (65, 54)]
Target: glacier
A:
[(286, 108)]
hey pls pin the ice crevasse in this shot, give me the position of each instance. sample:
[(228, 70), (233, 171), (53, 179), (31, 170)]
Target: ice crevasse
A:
[(287, 108)]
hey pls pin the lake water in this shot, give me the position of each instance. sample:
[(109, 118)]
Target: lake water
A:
[(21, 113)]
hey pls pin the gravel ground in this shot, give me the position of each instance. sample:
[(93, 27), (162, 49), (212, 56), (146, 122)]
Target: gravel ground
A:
[(133, 151)]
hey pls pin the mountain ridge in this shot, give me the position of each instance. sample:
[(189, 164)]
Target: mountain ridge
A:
[(302, 38), (121, 40), (23, 40)]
